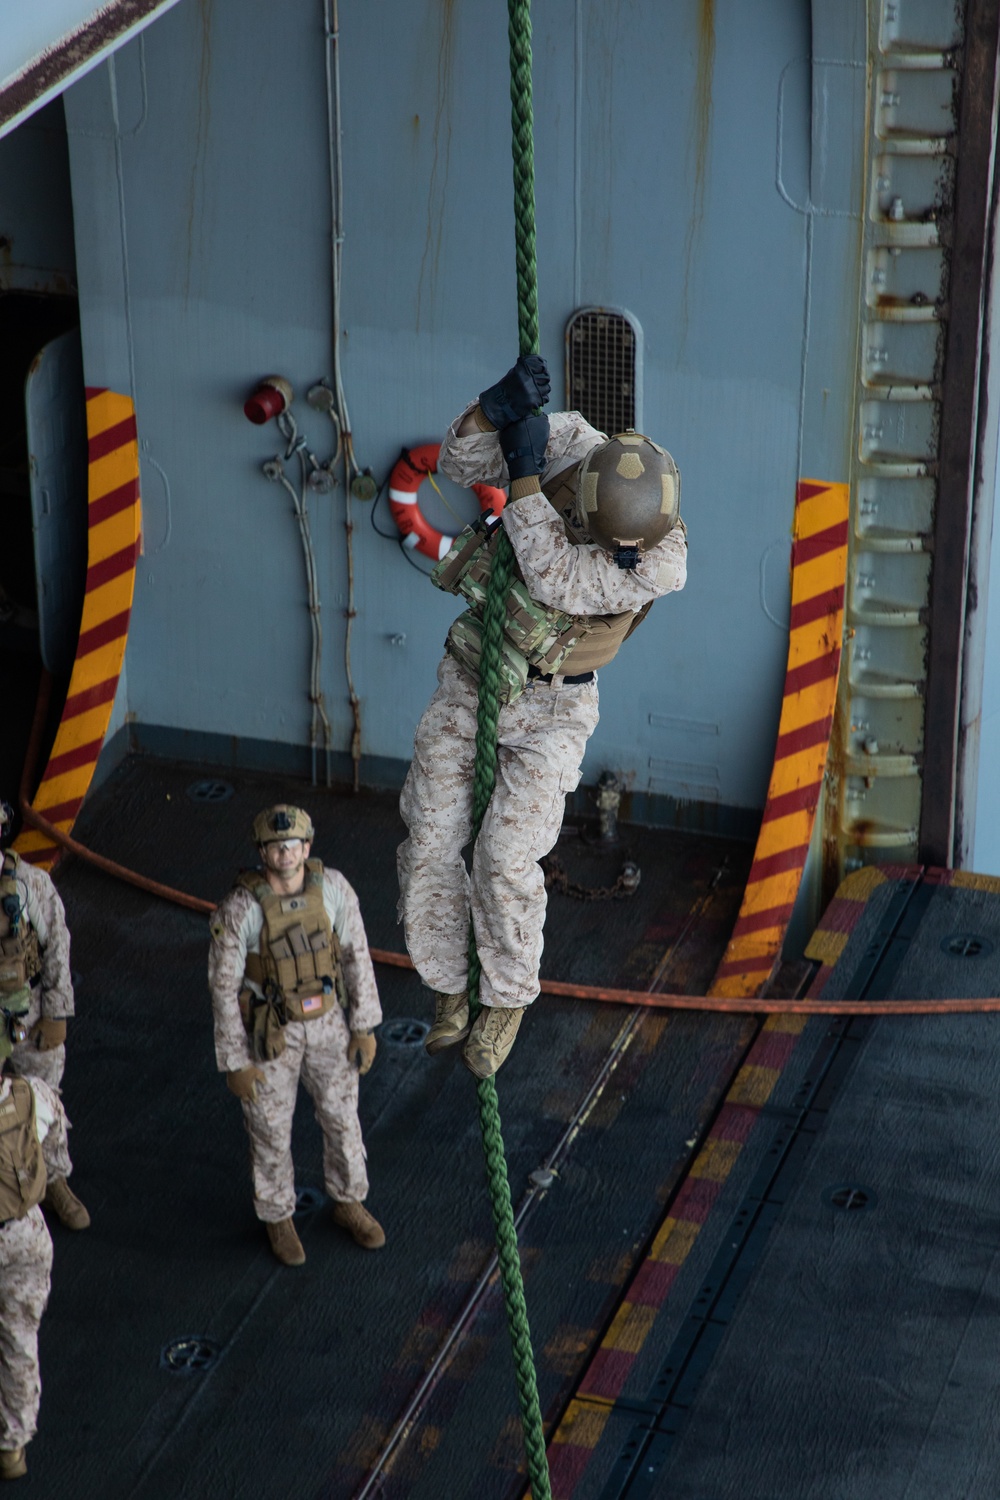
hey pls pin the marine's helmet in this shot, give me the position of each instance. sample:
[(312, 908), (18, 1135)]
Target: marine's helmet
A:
[(282, 822), (629, 495)]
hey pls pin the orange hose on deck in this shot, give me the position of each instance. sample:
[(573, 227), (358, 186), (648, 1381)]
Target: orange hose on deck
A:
[(740, 1006)]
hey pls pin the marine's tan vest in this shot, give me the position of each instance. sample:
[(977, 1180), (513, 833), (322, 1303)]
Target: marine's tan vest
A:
[(22, 1168), (20, 955), (536, 637), (299, 954)]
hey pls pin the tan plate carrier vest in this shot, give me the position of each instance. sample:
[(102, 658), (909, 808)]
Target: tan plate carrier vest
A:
[(536, 635), (299, 960), (22, 1168), (20, 955)]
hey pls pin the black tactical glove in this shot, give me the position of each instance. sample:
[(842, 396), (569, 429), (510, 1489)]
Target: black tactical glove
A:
[(525, 386), (523, 445)]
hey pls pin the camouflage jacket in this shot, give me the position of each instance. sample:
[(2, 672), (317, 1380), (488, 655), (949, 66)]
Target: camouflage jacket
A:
[(43, 905)]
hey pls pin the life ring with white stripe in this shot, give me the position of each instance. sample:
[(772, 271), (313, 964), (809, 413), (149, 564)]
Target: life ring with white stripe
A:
[(404, 482)]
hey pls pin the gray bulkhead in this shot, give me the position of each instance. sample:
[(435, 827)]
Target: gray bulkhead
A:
[(698, 164)]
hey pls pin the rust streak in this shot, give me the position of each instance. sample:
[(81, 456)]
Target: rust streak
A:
[(442, 128), (701, 128)]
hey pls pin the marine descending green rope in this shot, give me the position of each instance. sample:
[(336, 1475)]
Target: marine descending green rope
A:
[(519, 29)]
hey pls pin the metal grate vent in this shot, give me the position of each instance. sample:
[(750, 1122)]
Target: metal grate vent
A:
[(308, 1200), (192, 1355), (603, 368), (967, 945), (210, 791), (850, 1196), (404, 1032)]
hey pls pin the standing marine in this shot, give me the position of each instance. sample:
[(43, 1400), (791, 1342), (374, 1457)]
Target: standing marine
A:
[(294, 997), (31, 1116), (36, 997), (595, 526)]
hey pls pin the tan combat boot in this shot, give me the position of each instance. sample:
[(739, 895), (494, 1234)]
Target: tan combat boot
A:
[(360, 1225), (13, 1464), (451, 1022), (285, 1243), (491, 1038), (64, 1203)]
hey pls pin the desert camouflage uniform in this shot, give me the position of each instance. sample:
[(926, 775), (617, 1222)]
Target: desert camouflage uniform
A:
[(52, 998), (542, 738), (315, 1051), (25, 1278)]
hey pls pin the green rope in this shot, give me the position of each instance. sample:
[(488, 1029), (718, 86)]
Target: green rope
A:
[(494, 612)]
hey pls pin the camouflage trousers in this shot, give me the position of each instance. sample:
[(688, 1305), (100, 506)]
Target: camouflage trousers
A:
[(25, 1276), (28, 1062), (316, 1052), (542, 738)]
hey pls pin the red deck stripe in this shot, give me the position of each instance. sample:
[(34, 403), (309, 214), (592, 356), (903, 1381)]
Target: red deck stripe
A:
[(808, 610), (608, 1372), (94, 390), (814, 546), (110, 630), (805, 738), (772, 1049), (652, 1282), (567, 1462), (113, 502), (799, 799), (80, 703), (83, 755), (113, 566), (695, 1199), (818, 670), (777, 864), (103, 443), (734, 1123), (805, 489)]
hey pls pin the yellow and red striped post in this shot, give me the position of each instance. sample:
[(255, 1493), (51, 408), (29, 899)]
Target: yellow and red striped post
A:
[(113, 531), (819, 571)]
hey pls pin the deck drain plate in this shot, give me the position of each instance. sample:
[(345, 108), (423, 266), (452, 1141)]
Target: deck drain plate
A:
[(308, 1199), (189, 1356), (967, 945), (404, 1032), (210, 791), (851, 1197)]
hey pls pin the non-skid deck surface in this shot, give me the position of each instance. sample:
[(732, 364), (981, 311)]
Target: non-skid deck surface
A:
[(313, 1366), (833, 1335)]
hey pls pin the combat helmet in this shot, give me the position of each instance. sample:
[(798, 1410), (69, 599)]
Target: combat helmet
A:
[(282, 822), (630, 495)]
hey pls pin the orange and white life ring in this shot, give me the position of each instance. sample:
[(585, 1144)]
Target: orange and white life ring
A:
[(404, 482)]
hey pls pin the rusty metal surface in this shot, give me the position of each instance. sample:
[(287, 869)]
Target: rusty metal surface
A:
[(68, 56), (950, 603)]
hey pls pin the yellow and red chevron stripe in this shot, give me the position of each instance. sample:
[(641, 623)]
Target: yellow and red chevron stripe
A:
[(113, 531), (819, 570)]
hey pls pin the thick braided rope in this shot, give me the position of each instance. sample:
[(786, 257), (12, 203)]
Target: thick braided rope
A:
[(484, 776)]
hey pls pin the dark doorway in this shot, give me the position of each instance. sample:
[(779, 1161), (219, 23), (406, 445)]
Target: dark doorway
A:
[(38, 303)]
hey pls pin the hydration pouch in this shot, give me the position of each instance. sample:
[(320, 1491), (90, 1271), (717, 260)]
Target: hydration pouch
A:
[(465, 644)]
